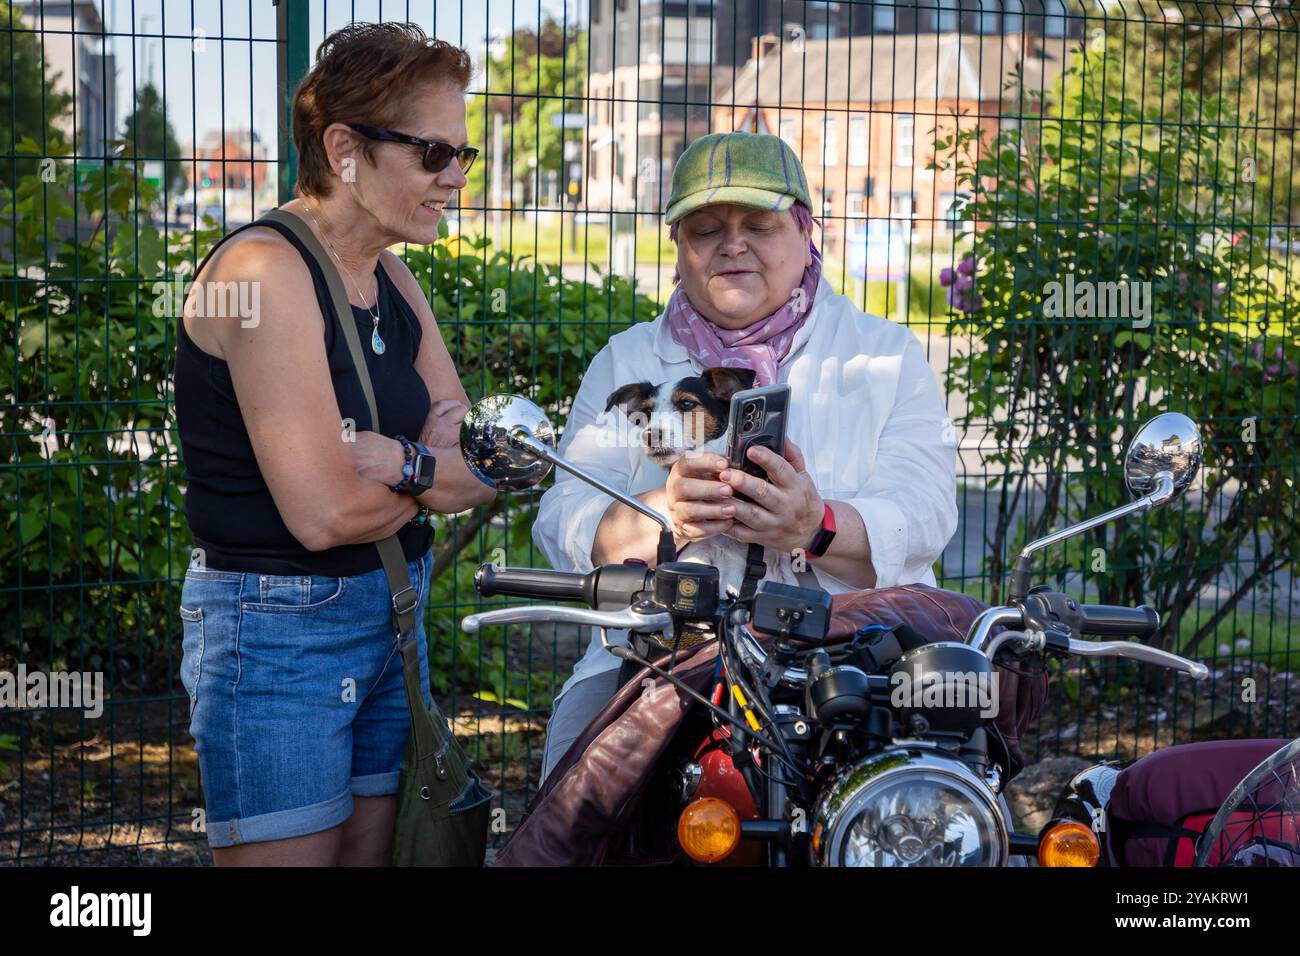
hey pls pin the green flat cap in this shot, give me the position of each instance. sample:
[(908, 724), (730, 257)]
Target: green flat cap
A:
[(752, 169)]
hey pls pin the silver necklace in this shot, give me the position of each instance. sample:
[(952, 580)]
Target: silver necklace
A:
[(376, 342)]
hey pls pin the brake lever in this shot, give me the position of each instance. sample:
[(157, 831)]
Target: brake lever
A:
[(1060, 643), (1139, 652), (628, 619)]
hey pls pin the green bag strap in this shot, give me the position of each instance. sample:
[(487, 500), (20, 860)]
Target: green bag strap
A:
[(404, 596), (430, 740), (338, 295)]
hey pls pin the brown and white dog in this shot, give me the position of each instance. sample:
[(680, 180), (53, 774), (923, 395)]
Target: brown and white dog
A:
[(690, 414)]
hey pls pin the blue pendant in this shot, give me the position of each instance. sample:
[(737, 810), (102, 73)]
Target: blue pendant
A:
[(376, 343)]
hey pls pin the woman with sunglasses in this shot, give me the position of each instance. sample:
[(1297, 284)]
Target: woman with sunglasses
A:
[(297, 702)]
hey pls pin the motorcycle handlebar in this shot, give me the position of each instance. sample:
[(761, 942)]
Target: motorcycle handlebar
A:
[(1037, 641), (1111, 620), (608, 587), (491, 581)]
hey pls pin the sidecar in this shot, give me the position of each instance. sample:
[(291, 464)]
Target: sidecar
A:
[(1151, 812)]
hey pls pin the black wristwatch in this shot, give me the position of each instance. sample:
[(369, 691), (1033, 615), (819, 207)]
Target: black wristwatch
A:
[(417, 468)]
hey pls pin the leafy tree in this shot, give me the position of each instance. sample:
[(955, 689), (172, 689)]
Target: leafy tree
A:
[(539, 74), (1246, 54), (149, 135), (28, 96)]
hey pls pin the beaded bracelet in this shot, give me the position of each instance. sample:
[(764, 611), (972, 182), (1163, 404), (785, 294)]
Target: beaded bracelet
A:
[(408, 466)]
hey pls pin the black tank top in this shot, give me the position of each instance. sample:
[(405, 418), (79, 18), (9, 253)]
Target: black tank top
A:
[(231, 513)]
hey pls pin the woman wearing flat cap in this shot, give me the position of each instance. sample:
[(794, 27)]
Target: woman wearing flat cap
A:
[(869, 452)]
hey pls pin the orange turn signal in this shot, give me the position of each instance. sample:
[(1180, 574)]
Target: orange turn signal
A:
[(708, 830), (1068, 843)]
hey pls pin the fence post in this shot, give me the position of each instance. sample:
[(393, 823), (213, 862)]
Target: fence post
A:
[(292, 55)]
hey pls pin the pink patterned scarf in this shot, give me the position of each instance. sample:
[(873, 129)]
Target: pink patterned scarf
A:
[(760, 346)]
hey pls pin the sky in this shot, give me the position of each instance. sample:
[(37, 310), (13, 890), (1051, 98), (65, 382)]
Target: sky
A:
[(233, 80)]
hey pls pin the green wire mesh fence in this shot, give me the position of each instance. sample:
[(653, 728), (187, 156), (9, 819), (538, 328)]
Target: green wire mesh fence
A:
[(1082, 211)]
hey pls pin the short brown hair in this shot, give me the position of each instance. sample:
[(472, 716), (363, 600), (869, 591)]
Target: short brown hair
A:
[(361, 75)]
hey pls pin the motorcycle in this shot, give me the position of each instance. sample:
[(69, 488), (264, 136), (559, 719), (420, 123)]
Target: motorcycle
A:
[(881, 750)]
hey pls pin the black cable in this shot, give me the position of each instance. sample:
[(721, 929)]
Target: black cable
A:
[(626, 653), (757, 701), (1029, 671), (677, 642), (763, 704)]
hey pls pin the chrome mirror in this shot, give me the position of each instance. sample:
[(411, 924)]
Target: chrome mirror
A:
[(491, 441), (1162, 460), (1167, 446)]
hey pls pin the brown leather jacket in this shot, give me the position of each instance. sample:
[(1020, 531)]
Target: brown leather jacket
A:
[(594, 789)]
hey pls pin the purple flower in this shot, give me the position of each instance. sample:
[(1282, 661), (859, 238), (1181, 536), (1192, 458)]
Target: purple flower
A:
[(969, 301), (967, 266), (946, 276), (1223, 358), (964, 283), (1280, 364)]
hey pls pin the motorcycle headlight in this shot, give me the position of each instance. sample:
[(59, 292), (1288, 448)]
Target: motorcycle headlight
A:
[(904, 808)]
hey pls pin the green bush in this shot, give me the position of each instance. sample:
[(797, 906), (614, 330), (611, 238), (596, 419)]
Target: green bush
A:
[(92, 528), (1106, 189)]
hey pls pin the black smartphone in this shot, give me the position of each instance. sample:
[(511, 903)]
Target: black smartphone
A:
[(758, 417)]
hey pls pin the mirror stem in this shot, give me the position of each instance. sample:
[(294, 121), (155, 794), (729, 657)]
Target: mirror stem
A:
[(1022, 572), (540, 450)]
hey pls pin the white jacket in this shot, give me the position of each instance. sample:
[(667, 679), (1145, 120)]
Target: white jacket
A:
[(865, 410)]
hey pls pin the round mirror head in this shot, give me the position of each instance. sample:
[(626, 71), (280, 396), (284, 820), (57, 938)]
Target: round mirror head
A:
[(1169, 443), (489, 453)]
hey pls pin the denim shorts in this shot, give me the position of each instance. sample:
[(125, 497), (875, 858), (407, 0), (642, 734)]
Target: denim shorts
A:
[(297, 701)]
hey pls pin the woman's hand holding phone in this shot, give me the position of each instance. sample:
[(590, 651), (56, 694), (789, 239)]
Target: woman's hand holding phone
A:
[(770, 500), (697, 504), (785, 510)]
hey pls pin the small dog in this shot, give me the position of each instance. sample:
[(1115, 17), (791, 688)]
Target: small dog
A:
[(690, 414), (687, 415)]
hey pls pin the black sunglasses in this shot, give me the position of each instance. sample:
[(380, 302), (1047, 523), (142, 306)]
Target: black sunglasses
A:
[(436, 155)]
